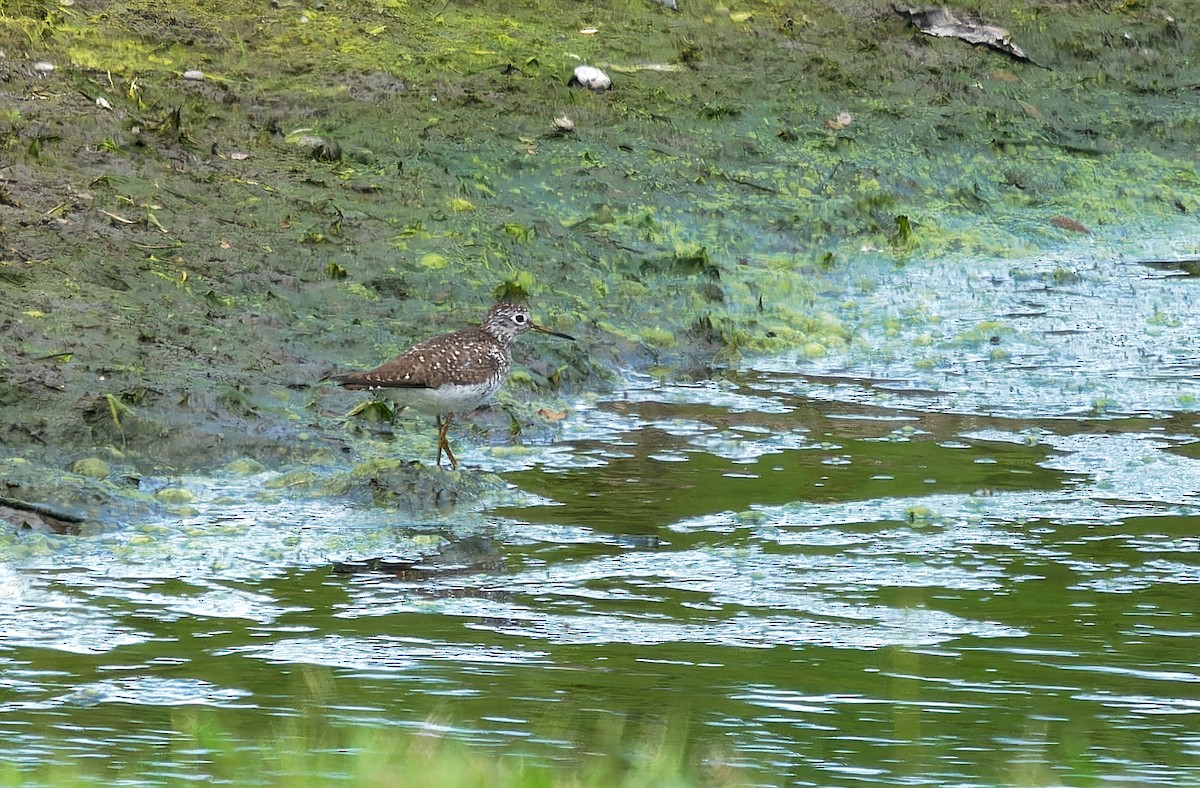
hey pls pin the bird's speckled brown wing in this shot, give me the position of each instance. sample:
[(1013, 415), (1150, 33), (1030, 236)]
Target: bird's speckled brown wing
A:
[(463, 357)]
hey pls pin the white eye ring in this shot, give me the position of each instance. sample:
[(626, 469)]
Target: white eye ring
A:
[(519, 318)]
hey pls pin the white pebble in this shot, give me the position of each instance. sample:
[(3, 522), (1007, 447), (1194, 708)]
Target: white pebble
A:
[(43, 66), (194, 75), (102, 103), (592, 78)]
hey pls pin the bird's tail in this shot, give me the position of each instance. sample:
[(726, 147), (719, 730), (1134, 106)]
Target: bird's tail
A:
[(349, 380)]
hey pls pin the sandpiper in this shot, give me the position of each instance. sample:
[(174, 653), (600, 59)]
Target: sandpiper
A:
[(452, 373)]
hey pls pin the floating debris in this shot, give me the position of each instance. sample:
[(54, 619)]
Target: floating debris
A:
[(591, 78), (1187, 266), (194, 75), (944, 23)]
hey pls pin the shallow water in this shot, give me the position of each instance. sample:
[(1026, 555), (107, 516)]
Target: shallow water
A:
[(923, 562)]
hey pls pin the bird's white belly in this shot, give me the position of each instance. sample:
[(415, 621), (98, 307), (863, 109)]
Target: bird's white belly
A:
[(450, 398)]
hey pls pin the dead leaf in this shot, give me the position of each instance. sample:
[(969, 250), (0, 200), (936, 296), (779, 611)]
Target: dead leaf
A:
[(116, 218), (552, 415), (1068, 223), (1031, 110)]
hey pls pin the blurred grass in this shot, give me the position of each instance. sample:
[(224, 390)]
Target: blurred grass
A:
[(308, 752)]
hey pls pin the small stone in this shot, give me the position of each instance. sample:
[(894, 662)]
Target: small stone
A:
[(564, 124), (194, 75), (43, 66), (319, 148), (102, 103), (592, 78), (92, 467)]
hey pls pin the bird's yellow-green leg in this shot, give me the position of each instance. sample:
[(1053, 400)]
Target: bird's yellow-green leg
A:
[(443, 444)]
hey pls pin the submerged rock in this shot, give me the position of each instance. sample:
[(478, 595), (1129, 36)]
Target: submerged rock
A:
[(411, 486), (245, 466), (92, 467), (174, 495), (464, 556)]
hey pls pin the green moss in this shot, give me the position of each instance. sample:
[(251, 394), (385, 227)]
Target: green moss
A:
[(657, 337), (298, 478)]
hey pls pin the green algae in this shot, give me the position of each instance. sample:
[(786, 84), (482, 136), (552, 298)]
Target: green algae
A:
[(701, 210)]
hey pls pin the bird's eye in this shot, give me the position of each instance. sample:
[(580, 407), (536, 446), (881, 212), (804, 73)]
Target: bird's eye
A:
[(519, 318)]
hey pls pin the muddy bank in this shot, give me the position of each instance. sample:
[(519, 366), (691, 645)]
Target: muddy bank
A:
[(200, 215)]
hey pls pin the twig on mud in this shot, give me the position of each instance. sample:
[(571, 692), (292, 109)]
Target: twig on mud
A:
[(829, 178), (49, 264), (156, 247), (751, 184), (192, 198)]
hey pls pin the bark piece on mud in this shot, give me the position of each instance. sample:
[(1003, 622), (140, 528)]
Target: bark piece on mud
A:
[(29, 516), (942, 22)]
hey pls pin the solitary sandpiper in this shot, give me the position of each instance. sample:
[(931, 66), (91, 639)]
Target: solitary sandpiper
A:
[(452, 373)]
